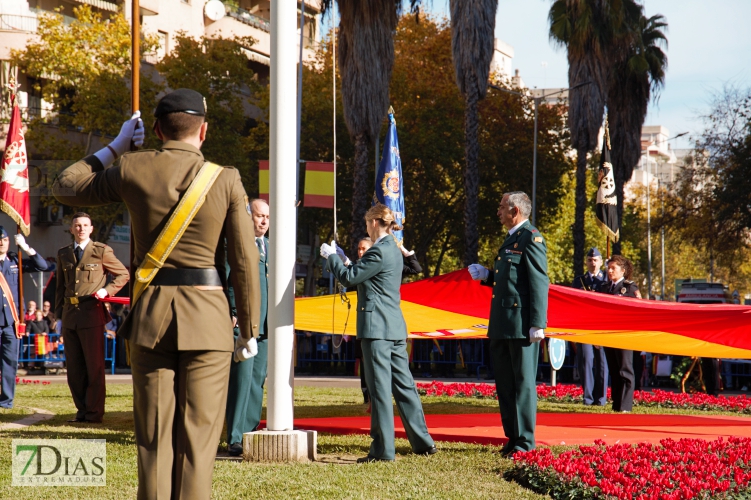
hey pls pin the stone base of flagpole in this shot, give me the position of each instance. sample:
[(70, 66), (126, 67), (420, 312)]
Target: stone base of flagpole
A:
[(280, 446)]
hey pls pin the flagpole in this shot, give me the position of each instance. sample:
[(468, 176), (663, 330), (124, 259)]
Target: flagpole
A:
[(22, 326)]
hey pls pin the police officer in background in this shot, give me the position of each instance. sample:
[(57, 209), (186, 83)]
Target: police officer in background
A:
[(81, 279), (9, 320), (179, 330), (620, 361), (593, 367), (247, 378)]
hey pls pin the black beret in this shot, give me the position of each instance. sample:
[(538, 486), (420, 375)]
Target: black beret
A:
[(594, 252), (181, 101), (3, 232)]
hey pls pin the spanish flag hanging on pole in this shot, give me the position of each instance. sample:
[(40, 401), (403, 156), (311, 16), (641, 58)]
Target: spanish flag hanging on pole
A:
[(389, 188), (14, 177), (263, 180), (606, 209), (319, 184)]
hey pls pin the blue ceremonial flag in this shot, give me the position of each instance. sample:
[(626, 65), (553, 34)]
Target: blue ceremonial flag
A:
[(389, 188)]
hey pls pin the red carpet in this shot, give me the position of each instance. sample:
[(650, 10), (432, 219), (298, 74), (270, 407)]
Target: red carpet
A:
[(554, 428)]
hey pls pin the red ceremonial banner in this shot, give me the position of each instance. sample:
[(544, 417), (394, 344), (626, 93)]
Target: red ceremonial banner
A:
[(14, 178)]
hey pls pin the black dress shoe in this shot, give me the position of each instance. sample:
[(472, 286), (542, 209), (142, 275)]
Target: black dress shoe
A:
[(78, 420), (235, 450), (430, 451), (509, 453), (369, 459)]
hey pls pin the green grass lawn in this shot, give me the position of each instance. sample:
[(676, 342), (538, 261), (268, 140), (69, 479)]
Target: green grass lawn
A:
[(458, 471)]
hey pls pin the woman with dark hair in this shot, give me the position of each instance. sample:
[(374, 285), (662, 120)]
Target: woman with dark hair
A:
[(620, 361), (381, 326)]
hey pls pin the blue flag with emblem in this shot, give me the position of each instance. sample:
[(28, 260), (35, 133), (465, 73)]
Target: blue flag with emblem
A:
[(389, 188)]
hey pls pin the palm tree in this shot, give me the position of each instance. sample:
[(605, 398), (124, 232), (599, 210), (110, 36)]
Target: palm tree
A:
[(472, 33), (638, 74), (365, 46), (588, 29)]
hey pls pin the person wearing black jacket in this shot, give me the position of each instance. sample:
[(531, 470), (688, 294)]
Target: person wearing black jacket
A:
[(620, 361)]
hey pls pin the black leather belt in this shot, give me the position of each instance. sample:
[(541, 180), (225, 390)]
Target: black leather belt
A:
[(187, 277), (77, 300)]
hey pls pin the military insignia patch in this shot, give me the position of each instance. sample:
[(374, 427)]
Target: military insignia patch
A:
[(390, 184), (247, 206), (538, 239), (623, 290), (516, 245)]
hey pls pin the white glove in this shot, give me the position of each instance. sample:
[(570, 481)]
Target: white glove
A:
[(21, 243), (536, 334), (245, 351), (132, 130), (406, 252), (327, 250), (478, 272), (341, 254), (101, 293)]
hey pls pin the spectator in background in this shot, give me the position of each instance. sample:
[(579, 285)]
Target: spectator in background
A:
[(38, 325), (620, 361), (590, 359), (49, 316), (31, 308)]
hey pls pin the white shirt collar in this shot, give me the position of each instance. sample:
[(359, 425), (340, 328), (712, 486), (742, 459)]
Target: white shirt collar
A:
[(513, 229), (616, 283), (594, 275), (379, 239), (82, 244)]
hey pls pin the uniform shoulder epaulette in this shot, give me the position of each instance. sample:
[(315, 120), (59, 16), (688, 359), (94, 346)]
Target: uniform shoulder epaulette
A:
[(627, 282), (64, 248), (99, 244)]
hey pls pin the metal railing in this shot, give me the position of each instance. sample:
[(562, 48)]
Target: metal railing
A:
[(246, 17), (48, 350), (13, 22)]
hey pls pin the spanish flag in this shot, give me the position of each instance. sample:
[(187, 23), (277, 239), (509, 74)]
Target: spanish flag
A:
[(319, 185), (263, 180)]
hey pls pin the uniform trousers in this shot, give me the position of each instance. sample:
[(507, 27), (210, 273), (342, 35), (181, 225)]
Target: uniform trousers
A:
[(593, 370), (84, 361), (515, 364), (245, 394), (9, 347), (621, 368), (179, 398), (387, 372)]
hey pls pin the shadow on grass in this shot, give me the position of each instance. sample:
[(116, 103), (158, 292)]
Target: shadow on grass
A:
[(116, 428)]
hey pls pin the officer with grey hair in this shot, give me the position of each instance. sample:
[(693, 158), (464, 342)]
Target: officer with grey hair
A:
[(518, 317)]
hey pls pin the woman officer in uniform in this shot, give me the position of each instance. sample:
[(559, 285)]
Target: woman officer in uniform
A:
[(620, 361), (380, 325)]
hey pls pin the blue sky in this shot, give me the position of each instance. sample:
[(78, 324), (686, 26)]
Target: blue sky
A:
[(709, 44)]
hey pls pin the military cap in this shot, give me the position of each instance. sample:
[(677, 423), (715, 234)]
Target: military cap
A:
[(181, 101), (594, 252), (3, 232)]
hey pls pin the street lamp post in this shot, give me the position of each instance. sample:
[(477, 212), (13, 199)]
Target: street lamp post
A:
[(536, 101)]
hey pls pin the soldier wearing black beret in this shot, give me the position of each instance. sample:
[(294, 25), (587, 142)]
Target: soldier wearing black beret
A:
[(179, 330)]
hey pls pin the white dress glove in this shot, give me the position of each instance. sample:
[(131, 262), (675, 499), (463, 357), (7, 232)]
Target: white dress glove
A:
[(21, 242), (245, 351), (340, 253), (536, 334), (406, 252), (131, 131), (101, 293), (327, 250), (478, 272)]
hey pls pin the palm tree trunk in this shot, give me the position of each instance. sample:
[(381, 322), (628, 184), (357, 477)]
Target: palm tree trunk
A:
[(471, 174), (581, 205), (360, 196), (619, 183)]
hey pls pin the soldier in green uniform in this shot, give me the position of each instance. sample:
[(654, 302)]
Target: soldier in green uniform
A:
[(246, 378), (381, 326), (518, 317), (179, 331)]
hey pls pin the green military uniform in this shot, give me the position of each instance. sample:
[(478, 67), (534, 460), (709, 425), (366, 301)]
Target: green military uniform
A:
[(520, 301), (246, 379), (381, 326), (179, 330), (84, 318)]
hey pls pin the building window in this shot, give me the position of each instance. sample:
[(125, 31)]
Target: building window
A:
[(163, 48)]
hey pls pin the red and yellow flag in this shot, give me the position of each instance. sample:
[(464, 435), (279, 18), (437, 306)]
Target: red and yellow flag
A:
[(263, 180), (14, 174), (319, 184)]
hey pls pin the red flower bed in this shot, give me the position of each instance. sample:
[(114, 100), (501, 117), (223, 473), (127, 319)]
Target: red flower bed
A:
[(674, 470), (26, 381), (566, 393)]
